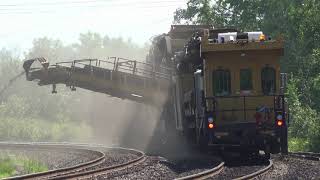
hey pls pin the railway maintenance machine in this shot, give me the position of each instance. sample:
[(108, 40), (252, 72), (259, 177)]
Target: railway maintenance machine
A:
[(216, 87)]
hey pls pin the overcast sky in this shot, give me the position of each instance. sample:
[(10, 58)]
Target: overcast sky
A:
[(24, 20)]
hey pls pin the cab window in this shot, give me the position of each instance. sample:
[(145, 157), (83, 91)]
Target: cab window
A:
[(245, 79), (268, 80), (221, 82)]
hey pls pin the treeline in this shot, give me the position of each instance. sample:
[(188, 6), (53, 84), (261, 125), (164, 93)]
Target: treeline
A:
[(31, 113), (298, 21)]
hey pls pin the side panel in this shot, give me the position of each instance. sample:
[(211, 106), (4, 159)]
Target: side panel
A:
[(231, 109)]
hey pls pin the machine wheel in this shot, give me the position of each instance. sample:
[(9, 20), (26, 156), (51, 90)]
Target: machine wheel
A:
[(267, 155), (267, 152)]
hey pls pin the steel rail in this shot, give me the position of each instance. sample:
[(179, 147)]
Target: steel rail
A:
[(77, 171), (256, 173), (46, 174), (305, 155), (105, 170), (204, 174)]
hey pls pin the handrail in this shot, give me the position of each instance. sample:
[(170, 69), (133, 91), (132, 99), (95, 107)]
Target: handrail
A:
[(278, 103), (121, 65), (269, 95)]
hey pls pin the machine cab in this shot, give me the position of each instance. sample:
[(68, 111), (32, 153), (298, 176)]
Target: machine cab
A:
[(242, 80)]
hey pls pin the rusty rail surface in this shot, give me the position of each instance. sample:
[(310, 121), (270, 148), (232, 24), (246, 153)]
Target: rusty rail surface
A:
[(105, 170), (204, 174), (256, 173)]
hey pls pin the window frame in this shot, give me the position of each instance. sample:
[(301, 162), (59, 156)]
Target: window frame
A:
[(266, 78), (222, 78), (250, 84)]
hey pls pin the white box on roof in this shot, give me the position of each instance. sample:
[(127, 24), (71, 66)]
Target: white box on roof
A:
[(254, 36), (230, 36)]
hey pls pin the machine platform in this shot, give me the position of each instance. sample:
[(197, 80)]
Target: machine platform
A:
[(117, 77)]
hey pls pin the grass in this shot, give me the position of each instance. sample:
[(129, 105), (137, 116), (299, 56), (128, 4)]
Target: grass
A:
[(32, 166), (37, 129), (7, 167), (11, 165)]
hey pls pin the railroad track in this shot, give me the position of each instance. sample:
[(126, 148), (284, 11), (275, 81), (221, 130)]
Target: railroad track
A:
[(216, 170), (204, 174), (99, 169), (301, 155), (306, 155), (95, 167), (256, 173), (84, 170)]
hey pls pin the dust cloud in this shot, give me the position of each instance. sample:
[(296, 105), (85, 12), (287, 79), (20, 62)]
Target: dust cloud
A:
[(117, 122), (113, 121)]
